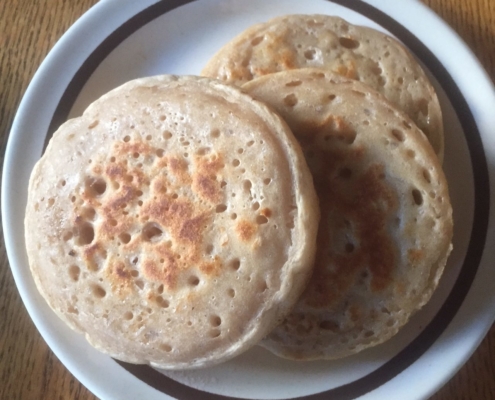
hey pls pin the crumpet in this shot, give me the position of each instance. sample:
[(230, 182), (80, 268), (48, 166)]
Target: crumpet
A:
[(173, 223), (386, 220), (329, 42)]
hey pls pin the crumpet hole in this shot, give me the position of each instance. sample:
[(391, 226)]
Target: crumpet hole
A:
[(247, 185), (214, 333), (166, 347), (215, 320), (309, 54), (152, 232), (96, 186), (128, 315), (193, 280), (235, 264), (417, 196), (86, 235), (293, 83), (125, 238), (162, 302), (290, 100), (74, 272), (98, 291), (348, 43), (261, 220), (399, 135), (221, 208), (426, 175)]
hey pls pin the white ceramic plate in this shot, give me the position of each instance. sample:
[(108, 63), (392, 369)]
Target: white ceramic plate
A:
[(119, 40)]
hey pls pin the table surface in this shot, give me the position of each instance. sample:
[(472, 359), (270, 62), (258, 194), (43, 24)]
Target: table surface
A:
[(28, 30)]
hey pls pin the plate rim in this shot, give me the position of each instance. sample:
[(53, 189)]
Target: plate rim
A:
[(100, 8)]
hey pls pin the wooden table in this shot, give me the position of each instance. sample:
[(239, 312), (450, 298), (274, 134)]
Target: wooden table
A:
[(28, 30)]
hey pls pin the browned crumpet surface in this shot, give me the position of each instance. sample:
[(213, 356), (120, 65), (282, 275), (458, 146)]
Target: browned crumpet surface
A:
[(28, 368)]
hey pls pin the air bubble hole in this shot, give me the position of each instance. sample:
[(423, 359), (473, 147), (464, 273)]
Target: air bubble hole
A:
[(235, 264), (247, 185), (399, 135), (125, 237), (74, 272), (96, 186), (152, 232), (221, 208), (163, 303), (417, 196), (348, 43), (310, 54), (166, 347), (93, 124), (261, 220), (98, 291), (86, 234), (293, 83), (193, 280), (128, 315), (214, 333), (215, 321), (290, 100)]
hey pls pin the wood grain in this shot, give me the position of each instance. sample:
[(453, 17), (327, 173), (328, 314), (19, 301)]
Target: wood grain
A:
[(28, 30)]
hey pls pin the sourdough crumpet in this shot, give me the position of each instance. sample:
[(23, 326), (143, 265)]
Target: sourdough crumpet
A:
[(386, 220), (322, 41), (173, 223)]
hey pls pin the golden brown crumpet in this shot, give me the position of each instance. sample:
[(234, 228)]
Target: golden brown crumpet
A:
[(386, 220), (174, 223), (357, 52)]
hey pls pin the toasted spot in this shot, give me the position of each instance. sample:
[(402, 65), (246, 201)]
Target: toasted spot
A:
[(166, 274), (367, 204), (120, 278), (178, 166), (207, 188), (415, 255), (191, 229), (245, 230), (211, 268)]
